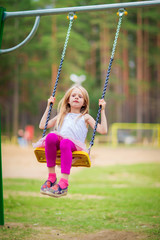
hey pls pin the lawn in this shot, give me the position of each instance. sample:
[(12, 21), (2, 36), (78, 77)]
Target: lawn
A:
[(120, 198)]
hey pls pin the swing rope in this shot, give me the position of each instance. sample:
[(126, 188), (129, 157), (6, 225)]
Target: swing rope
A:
[(121, 12), (71, 17)]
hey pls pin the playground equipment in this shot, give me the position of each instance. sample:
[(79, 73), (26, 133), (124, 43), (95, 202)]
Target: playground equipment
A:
[(1, 184), (4, 15), (80, 158), (146, 132)]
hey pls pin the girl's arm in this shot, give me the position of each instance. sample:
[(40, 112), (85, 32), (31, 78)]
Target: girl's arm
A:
[(101, 127), (52, 122)]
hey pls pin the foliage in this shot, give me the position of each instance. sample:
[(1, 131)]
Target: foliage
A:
[(30, 69)]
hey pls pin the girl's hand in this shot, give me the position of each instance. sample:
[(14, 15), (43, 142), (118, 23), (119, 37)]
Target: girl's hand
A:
[(51, 100), (102, 103)]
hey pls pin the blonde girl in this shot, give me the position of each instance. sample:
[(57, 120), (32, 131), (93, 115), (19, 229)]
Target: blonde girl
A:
[(71, 124)]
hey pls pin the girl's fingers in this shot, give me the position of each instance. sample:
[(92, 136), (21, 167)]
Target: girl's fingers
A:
[(102, 103), (51, 100)]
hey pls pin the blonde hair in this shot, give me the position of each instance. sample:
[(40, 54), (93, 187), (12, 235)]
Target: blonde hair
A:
[(64, 106)]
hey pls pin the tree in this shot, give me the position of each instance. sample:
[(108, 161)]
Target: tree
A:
[(27, 76)]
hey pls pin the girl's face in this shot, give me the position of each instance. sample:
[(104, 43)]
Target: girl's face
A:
[(76, 99)]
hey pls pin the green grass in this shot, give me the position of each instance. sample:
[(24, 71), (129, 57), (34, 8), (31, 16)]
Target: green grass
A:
[(122, 197)]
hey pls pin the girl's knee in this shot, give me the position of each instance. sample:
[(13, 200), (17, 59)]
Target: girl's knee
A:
[(51, 139)]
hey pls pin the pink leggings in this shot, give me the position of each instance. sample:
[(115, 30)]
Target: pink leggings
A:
[(52, 144)]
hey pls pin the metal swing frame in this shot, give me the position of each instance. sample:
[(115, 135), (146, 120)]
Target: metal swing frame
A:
[(4, 15)]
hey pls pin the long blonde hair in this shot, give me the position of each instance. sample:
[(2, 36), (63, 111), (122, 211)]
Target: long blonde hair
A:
[(64, 106)]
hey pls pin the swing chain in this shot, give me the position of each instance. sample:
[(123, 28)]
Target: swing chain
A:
[(71, 18), (121, 13)]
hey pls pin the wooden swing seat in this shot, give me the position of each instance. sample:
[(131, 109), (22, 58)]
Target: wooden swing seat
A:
[(80, 158)]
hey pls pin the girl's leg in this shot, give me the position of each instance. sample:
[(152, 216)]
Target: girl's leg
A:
[(51, 146), (60, 189), (66, 147)]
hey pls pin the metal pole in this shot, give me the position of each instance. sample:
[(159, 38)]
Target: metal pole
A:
[(54, 11), (1, 180), (26, 40), (1, 184), (1, 23)]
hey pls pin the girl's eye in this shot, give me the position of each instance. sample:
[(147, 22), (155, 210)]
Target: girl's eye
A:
[(80, 96)]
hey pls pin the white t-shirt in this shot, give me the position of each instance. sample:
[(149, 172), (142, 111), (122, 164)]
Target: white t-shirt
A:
[(74, 127)]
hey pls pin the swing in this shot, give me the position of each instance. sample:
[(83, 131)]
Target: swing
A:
[(79, 158)]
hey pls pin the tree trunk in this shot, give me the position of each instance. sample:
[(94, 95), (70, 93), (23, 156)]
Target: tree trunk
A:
[(93, 60), (24, 92), (91, 63), (139, 100), (146, 75), (16, 99), (104, 50), (158, 77), (54, 65), (118, 88), (16, 88), (7, 119), (125, 77)]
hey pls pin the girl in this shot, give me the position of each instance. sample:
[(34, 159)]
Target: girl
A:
[(72, 126)]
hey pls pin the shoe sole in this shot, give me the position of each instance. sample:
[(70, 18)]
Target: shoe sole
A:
[(44, 193), (56, 195)]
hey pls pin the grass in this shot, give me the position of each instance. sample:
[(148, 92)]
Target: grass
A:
[(122, 197)]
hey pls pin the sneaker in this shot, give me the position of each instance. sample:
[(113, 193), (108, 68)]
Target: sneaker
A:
[(46, 186), (57, 191)]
